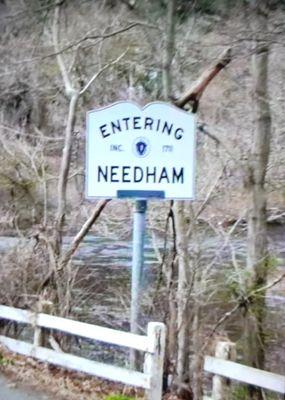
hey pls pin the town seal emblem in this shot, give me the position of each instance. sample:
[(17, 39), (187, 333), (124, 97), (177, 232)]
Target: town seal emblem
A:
[(141, 147)]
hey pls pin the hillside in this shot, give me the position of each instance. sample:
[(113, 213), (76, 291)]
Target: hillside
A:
[(34, 107)]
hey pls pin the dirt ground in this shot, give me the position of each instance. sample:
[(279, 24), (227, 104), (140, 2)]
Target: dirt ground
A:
[(24, 378), (11, 390), (28, 376)]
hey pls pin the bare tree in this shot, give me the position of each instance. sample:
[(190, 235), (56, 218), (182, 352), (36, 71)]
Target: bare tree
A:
[(257, 253), (180, 314), (60, 270)]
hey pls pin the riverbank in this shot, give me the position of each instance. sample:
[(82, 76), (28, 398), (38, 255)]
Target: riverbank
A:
[(12, 390), (27, 379)]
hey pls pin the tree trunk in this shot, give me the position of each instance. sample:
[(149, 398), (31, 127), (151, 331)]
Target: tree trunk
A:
[(257, 249), (178, 302), (170, 267), (197, 361), (179, 314), (64, 171), (169, 50), (183, 320)]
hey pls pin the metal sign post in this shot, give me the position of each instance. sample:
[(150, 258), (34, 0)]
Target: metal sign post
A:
[(140, 153), (137, 268)]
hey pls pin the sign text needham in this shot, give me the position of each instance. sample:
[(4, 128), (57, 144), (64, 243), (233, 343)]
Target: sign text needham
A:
[(140, 150)]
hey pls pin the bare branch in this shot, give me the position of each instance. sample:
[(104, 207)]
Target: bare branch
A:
[(223, 319), (89, 36), (99, 37), (55, 36), (202, 128), (210, 192), (95, 76), (83, 232), (268, 286), (240, 304), (194, 94), (111, 34), (104, 36)]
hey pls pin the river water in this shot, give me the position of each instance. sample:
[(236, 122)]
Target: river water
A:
[(107, 264)]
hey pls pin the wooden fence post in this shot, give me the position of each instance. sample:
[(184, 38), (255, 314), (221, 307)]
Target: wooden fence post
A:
[(154, 359), (153, 345), (39, 333), (221, 386), (38, 338)]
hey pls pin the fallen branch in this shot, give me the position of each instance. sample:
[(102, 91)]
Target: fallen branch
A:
[(82, 233), (195, 92)]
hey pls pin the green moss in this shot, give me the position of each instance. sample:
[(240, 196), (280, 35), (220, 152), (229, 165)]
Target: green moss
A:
[(5, 361), (272, 263), (241, 392)]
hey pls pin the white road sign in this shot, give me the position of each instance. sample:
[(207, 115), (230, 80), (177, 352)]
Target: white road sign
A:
[(140, 152)]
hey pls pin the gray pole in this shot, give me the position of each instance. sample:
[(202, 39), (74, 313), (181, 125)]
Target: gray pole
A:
[(137, 267)]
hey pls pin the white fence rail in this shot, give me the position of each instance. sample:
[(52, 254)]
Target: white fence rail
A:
[(152, 345), (245, 374)]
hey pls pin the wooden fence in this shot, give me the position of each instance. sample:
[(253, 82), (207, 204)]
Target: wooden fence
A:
[(152, 345), (223, 368)]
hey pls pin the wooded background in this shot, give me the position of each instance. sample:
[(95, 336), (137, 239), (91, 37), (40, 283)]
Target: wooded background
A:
[(60, 59)]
